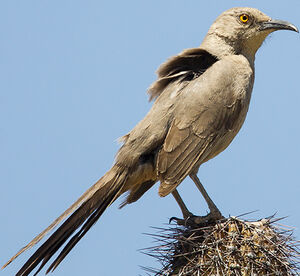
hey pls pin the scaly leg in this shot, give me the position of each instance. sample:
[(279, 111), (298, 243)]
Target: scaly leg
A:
[(185, 212), (214, 211), (188, 217)]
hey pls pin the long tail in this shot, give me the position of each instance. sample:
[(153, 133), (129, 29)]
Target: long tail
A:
[(87, 209)]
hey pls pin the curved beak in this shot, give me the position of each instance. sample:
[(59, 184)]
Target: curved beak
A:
[(274, 25)]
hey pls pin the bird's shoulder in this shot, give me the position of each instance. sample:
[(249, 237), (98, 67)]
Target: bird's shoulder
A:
[(227, 70), (226, 84)]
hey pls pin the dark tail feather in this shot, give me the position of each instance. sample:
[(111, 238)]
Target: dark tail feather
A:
[(88, 224), (87, 214)]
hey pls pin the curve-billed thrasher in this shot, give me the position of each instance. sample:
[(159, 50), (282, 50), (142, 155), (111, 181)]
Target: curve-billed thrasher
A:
[(201, 101)]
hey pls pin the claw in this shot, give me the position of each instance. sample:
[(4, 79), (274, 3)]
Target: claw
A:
[(198, 220), (177, 220)]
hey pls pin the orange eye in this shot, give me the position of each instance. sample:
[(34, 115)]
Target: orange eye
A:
[(244, 18)]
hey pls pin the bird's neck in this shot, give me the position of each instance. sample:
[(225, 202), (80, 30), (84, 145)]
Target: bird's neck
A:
[(222, 46)]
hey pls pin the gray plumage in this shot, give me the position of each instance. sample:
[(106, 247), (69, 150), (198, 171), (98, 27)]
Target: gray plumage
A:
[(201, 101)]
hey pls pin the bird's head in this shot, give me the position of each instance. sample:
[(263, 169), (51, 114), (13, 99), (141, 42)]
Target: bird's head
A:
[(242, 31)]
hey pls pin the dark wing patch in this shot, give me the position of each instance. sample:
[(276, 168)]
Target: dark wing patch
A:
[(186, 66)]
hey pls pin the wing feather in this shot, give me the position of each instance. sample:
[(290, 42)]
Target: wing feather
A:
[(189, 64), (189, 145)]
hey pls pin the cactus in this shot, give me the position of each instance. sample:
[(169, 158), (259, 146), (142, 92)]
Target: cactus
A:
[(231, 247)]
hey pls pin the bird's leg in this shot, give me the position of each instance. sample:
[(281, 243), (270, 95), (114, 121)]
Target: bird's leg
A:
[(188, 218), (214, 211), (185, 212)]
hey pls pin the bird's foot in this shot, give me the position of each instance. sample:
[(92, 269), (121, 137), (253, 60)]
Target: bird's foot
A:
[(193, 220)]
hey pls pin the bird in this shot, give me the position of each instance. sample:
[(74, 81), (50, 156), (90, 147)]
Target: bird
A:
[(201, 97)]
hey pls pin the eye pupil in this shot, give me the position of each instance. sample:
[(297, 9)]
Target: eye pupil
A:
[(244, 18)]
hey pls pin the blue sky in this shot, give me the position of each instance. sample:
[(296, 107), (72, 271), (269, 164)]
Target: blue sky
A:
[(73, 78)]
